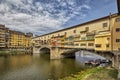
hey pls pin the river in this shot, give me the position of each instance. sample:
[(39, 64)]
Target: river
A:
[(40, 67), (37, 67)]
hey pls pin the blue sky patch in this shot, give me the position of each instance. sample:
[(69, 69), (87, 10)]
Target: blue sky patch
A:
[(41, 16)]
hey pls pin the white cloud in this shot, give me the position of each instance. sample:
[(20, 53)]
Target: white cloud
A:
[(26, 15)]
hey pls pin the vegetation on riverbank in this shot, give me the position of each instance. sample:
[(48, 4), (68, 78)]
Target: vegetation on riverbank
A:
[(99, 73)]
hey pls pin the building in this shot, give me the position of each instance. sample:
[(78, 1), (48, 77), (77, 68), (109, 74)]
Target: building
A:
[(28, 37), (2, 36), (102, 34), (103, 41), (29, 34), (14, 39), (115, 31), (19, 40)]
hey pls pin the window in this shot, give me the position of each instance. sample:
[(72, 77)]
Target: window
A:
[(119, 49), (117, 29), (82, 44), (117, 40), (105, 25), (107, 45), (76, 44), (117, 19), (65, 33), (90, 44), (98, 45), (19, 36), (87, 28), (74, 31), (108, 38)]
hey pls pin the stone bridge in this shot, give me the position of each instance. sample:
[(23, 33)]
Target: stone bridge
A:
[(100, 36), (55, 52), (60, 52)]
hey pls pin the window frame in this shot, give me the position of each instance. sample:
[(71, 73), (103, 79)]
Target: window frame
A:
[(105, 24)]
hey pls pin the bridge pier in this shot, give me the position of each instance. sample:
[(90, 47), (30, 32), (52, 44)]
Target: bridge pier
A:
[(112, 56), (55, 53), (36, 50), (115, 60)]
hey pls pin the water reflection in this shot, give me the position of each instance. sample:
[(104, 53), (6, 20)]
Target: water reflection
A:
[(36, 67), (13, 62), (60, 68)]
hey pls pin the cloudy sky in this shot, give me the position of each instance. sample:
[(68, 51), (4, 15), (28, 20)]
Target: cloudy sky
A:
[(44, 16)]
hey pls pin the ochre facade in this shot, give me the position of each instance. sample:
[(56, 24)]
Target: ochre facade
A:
[(100, 35), (14, 39)]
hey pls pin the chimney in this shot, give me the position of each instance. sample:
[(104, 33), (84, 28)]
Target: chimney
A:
[(118, 6)]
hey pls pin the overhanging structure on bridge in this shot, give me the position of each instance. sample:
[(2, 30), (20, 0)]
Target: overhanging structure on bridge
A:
[(100, 35)]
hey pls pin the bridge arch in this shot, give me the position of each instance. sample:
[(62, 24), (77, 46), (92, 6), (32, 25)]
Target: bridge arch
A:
[(69, 53), (45, 50)]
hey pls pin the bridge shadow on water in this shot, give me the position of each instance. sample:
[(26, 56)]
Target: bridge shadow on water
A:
[(84, 56)]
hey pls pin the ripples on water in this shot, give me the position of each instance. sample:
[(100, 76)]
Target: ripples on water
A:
[(36, 67)]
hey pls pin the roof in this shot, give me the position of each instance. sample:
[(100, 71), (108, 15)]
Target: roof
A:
[(2, 26), (106, 17), (16, 32)]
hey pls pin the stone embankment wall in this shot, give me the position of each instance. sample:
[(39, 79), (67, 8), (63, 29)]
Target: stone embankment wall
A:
[(14, 51)]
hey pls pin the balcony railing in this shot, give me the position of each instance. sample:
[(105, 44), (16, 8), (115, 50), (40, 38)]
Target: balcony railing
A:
[(90, 38), (83, 38), (90, 34)]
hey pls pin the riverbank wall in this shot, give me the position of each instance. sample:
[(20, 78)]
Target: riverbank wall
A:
[(15, 51)]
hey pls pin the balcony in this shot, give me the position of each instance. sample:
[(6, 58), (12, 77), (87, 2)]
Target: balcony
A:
[(77, 36), (2, 33), (90, 33), (76, 39), (85, 30), (83, 38), (59, 41), (90, 37), (69, 45), (69, 39)]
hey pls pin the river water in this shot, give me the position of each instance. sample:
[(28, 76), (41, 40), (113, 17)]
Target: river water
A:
[(40, 67), (37, 67)]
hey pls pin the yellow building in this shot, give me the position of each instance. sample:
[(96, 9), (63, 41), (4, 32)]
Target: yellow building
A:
[(18, 40), (14, 39), (102, 34), (103, 41), (116, 34)]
